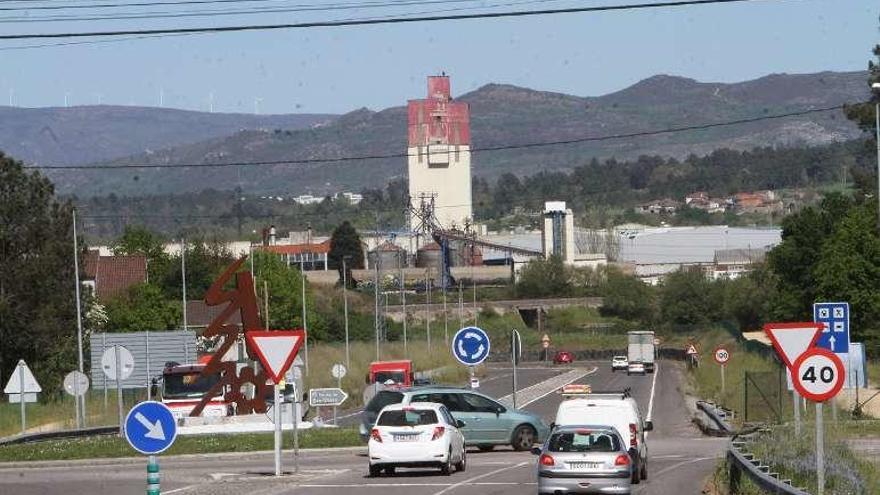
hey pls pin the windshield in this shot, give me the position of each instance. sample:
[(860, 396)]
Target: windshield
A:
[(584, 441), (384, 376), (411, 417), (187, 385), (383, 399)]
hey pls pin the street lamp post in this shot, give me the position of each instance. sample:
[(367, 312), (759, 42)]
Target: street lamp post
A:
[(345, 304), (875, 87)]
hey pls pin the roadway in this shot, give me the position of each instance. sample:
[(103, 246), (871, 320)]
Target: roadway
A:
[(680, 459)]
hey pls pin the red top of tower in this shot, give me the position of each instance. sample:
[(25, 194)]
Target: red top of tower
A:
[(437, 119)]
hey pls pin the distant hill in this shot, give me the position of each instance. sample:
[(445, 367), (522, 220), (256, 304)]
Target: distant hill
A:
[(86, 134), (504, 114)]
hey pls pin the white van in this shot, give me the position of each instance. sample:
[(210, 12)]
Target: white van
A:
[(617, 410)]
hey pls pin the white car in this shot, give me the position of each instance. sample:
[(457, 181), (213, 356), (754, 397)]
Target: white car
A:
[(619, 363), (422, 434), (635, 368)]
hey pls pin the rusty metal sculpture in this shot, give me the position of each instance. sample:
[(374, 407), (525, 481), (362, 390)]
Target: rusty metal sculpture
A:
[(242, 299)]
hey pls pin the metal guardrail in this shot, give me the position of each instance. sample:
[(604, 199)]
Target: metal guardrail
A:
[(740, 462), (718, 415), (54, 435)]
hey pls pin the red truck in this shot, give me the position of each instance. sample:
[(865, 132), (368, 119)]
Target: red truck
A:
[(395, 372), (183, 388)]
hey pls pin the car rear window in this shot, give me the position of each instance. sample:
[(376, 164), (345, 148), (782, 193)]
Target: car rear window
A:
[(384, 398), (584, 441), (408, 417)]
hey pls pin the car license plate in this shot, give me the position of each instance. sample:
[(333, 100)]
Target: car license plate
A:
[(405, 438), (584, 465)]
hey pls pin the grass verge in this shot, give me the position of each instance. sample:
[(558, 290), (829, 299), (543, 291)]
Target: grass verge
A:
[(113, 446)]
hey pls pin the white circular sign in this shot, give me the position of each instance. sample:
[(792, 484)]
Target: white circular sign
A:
[(126, 361), (338, 370), (818, 374), (722, 355), (76, 383)]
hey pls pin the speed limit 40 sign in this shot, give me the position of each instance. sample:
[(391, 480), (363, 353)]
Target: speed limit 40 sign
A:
[(818, 374), (721, 355)]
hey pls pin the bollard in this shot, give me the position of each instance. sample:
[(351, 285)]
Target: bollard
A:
[(153, 476)]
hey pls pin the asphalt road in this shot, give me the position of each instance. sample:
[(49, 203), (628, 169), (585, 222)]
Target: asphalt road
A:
[(679, 458)]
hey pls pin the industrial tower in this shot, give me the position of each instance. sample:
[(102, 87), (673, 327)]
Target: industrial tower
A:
[(439, 161)]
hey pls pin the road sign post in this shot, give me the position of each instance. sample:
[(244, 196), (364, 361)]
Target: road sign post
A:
[(150, 428), (722, 356), (338, 371), (276, 350), (118, 364), (22, 387), (76, 384), (515, 355)]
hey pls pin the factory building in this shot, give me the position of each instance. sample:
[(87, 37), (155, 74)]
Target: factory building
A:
[(439, 157)]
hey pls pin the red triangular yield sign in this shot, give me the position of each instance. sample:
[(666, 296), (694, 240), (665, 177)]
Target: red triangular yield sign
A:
[(275, 349), (792, 339)]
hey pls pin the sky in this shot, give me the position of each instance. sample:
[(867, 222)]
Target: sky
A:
[(336, 70)]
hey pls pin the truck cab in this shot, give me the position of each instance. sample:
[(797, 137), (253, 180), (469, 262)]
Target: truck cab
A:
[(183, 387), (391, 372)]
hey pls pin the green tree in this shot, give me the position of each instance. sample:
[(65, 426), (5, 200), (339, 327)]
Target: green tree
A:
[(205, 261), (144, 307), (688, 298), (747, 298), (849, 270), (37, 301), (627, 297), (284, 285), (138, 240), (863, 113), (345, 243), (544, 277)]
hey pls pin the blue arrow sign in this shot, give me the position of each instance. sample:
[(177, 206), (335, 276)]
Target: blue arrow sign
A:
[(470, 346), (835, 317), (150, 427)]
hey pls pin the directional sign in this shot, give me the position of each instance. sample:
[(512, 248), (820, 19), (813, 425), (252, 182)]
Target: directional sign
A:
[(338, 371), (150, 427), (76, 383), (276, 349), (792, 339), (470, 346), (818, 374), (108, 362), (326, 397), (14, 385), (834, 316), (721, 355)]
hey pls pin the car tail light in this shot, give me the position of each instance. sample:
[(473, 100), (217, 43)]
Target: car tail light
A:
[(438, 432), (632, 435), (547, 460), (622, 460), (374, 434)]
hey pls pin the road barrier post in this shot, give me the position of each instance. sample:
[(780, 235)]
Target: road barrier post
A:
[(722, 382), (797, 413), (153, 476), (820, 450), (21, 395), (295, 415), (117, 351), (276, 413)]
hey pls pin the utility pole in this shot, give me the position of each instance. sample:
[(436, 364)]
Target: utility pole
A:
[(875, 87), (460, 305), (428, 307), (345, 305), (376, 288), (302, 273), (183, 277), (79, 330), (403, 301)]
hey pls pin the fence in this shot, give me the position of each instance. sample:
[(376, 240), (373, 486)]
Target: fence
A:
[(766, 398), (151, 350)]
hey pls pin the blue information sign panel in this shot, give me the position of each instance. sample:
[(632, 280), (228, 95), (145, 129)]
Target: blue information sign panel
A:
[(150, 427), (835, 317), (470, 346)]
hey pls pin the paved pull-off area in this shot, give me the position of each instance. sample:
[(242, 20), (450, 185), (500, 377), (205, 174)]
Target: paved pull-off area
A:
[(680, 458)]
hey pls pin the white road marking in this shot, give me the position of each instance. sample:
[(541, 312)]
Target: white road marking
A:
[(350, 415), (651, 400), (475, 478), (178, 490), (551, 385), (673, 467), (409, 485)]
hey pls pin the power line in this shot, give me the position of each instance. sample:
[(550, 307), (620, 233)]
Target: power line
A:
[(149, 4), (311, 161), (366, 22)]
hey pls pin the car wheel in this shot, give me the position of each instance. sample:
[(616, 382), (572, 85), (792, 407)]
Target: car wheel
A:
[(375, 471), (461, 465), (446, 468), (389, 470), (523, 438), (486, 448)]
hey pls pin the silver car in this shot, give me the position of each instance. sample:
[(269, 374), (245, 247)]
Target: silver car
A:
[(584, 459)]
